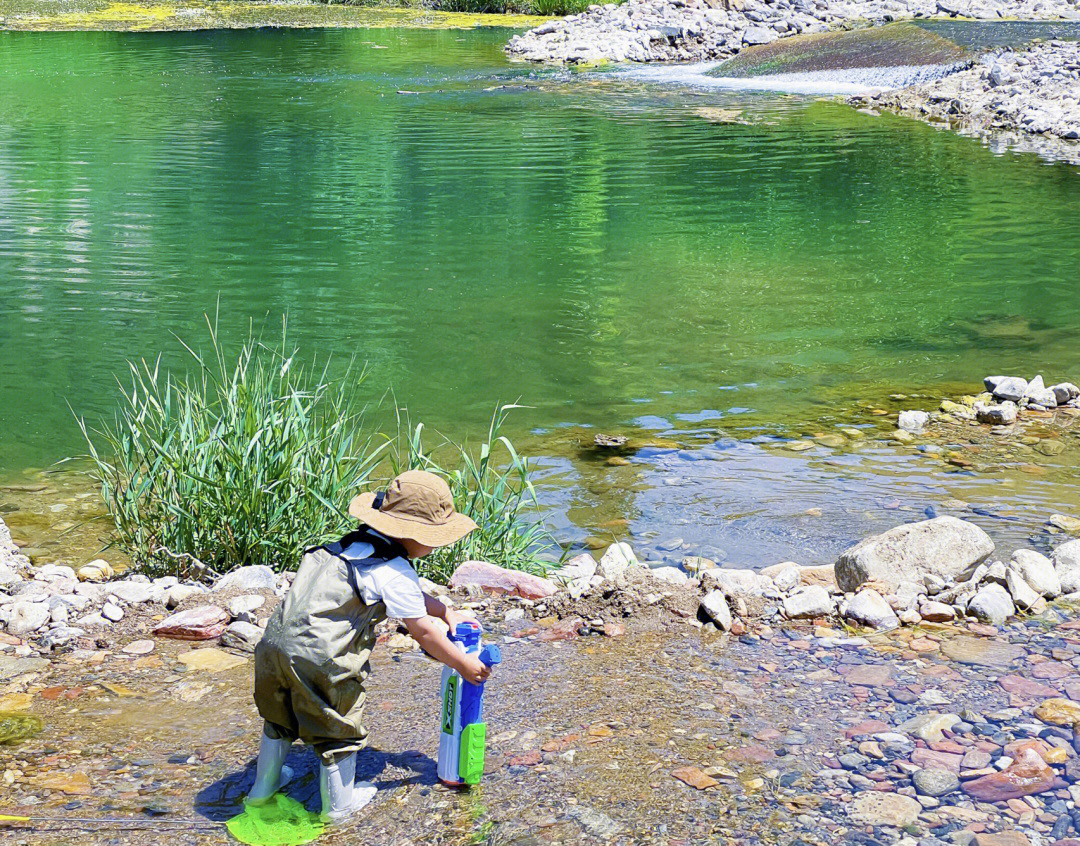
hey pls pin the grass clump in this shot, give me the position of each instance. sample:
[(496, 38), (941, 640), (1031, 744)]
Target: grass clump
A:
[(253, 459), (240, 461), (497, 496)]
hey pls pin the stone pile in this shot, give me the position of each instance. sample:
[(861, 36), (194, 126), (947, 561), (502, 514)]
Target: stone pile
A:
[(1026, 99), (57, 606), (697, 30)]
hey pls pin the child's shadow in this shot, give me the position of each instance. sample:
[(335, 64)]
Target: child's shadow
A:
[(223, 799)]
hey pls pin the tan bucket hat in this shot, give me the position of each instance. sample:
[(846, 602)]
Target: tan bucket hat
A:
[(415, 505)]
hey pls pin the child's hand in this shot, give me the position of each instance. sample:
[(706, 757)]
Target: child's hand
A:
[(474, 670), (453, 617)]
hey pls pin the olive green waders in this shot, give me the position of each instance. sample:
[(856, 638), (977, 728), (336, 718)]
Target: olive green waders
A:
[(311, 663)]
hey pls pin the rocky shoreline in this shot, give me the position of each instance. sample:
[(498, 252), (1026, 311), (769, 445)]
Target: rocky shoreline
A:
[(701, 30), (1026, 100), (1023, 99)]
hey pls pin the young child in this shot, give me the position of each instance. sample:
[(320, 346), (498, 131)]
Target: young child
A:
[(312, 661)]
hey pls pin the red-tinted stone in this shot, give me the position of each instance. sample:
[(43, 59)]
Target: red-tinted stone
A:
[(949, 746), (563, 630), (868, 727), (529, 759), (752, 754), (869, 675), (1026, 687), (929, 759), (1026, 776), (492, 579), (527, 632), (205, 622), (614, 629), (1052, 671)]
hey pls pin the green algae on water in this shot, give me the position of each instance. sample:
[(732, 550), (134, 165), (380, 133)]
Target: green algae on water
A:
[(15, 728)]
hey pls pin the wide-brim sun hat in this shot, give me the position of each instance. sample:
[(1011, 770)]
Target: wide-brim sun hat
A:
[(415, 505)]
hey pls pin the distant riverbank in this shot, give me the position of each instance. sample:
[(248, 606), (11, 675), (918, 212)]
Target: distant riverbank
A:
[(168, 16)]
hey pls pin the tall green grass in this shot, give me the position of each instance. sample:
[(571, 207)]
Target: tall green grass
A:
[(491, 484), (245, 460), (252, 459)]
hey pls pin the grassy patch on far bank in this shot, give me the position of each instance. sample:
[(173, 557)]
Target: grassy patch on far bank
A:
[(166, 15)]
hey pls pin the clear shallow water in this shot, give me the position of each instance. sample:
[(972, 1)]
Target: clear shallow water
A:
[(604, 249)]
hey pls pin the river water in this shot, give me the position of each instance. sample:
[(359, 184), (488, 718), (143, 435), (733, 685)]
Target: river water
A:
[(624, 256)]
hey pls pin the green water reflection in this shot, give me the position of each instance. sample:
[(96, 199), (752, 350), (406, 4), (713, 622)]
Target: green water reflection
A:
[(592, 246)]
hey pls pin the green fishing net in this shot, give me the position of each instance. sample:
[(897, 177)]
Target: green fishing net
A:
[(280, 822)]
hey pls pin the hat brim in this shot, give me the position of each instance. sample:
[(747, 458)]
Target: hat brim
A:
[(395, 526)]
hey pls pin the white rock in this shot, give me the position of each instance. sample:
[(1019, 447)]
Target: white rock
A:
[(254, 577), (716, 608), (1020, 591), (98, 570), (992, 604), (1065, 392), (53, 572), (242, 636), (92, 621), (178, 593), (131, 592), (671, 575), (943, 547), (786, 576), (913, 421), (808, 602), (1011, 388), (579, 567), (1038, 571), (1066, 560), (618, 558), (245, 604), (870, 608), (1001, 414), (112, 612), (737, 583), (22, 618)]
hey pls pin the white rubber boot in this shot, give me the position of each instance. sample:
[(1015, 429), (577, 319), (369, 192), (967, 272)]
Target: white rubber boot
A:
[(341, 795), (270, 774)]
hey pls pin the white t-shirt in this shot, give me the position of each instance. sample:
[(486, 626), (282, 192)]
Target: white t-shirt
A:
[(394, 582)]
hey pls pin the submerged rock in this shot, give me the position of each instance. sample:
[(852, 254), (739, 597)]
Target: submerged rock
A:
[(1026, 776), (892, 809), (943, 547)]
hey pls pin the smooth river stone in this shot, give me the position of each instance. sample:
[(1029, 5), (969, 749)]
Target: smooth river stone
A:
[(1026, 687), (981, 651), (1059, 712), (211, 660), (1026, 776), (892, 809), (492, 579), (869, 675), (1053, 671), (205, 622), (929, 759)]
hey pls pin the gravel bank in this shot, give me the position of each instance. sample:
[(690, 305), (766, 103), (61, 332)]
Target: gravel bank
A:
[(699, 30), (1026, 100)]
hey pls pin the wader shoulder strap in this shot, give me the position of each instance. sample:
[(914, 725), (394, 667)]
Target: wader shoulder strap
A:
[(383, 549)]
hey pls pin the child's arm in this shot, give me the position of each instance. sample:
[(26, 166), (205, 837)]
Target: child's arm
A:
[(437, 609), (439, 647)]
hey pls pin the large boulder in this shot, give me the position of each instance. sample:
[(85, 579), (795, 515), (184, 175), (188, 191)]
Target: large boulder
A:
[(490, 578), (944, 547)]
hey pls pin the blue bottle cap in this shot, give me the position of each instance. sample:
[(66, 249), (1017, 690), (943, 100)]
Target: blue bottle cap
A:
[(467, 634)]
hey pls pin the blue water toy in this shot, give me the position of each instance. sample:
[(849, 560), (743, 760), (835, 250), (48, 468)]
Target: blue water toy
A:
[(464, 733)]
